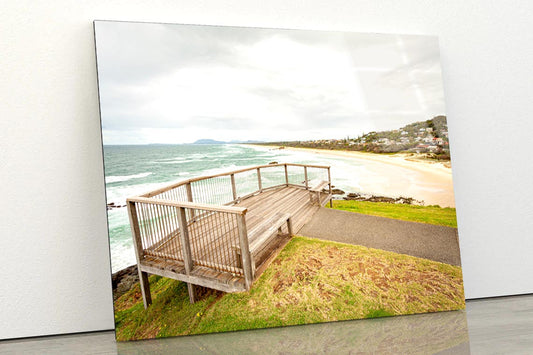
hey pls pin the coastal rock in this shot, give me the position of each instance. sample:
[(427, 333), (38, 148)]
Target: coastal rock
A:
[(337, 192), (373, 198), (123, 280), (112, 205), (352, 196)]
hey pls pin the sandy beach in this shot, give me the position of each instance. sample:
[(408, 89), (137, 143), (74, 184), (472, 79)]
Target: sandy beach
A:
[(398, 175)]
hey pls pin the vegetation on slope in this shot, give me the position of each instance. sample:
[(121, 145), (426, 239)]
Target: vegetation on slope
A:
[(430, 137), (310, 281)]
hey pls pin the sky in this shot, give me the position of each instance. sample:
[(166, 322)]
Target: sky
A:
[(173, 84)]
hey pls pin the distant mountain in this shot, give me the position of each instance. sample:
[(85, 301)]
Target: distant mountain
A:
[(208, 141)]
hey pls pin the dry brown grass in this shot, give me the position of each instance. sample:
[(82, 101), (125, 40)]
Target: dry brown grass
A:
[(310, 281)]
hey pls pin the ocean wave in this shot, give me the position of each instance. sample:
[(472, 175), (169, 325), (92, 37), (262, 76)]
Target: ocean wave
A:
[(173, 159), (119, 194), (177, 161), (111, 179)]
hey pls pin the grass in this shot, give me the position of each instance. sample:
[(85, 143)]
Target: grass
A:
[(424, 214), (310, 281)]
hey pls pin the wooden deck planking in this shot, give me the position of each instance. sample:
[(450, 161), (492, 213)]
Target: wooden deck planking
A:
[(292, 200), (285, 201)]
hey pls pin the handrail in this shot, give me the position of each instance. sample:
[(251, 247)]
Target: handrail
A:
[(164, 221), (229, 173), (191, 205)]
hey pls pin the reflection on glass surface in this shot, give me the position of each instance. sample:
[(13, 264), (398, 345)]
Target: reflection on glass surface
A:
[(443, 332)]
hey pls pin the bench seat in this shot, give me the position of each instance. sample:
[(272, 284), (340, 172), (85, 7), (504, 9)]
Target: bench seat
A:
[(315, 191)]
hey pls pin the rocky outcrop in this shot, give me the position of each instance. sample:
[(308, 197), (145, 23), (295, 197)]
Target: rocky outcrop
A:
[(124, 280), (337, 192), (372, 198), (112, 205)]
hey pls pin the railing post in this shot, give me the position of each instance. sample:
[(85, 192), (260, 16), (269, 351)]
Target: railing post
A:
[(306, 179), (245, 252), (186, 249), (286, 176), (330, 195), (233, 188), (189, 197), (259, 182), (139, 252)]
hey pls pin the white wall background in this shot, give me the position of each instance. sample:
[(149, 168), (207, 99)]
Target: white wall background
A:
[(54, 256)]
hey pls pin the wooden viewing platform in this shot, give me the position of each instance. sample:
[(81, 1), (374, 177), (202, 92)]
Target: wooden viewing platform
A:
[(222, 231)]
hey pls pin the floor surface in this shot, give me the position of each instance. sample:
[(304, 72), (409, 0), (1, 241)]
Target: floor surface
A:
[(488, 326)]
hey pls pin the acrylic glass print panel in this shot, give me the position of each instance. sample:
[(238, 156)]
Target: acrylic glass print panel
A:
[(269, 177)]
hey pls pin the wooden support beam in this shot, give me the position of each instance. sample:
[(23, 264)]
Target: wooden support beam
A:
[(191, 288), (145, 288), (289, 226), (259, 182), (137, 243), (237, 251), (306, 178), (188, 187), (245, 252), (233, 187), (197, 280), (330, 190), (186, 249), (286, 176)]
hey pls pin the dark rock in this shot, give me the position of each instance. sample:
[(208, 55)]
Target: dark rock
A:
[(123, 280), (352, 196), (273, 162), (112, 205), (337, 192), (373, 198)]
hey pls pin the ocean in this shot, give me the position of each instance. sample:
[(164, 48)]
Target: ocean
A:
[(135, 169)]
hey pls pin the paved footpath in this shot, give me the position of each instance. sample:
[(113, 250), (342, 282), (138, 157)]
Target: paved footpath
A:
[(423, 240)]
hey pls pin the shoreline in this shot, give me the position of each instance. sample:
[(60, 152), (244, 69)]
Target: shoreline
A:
[(431, 175), (406, 160)]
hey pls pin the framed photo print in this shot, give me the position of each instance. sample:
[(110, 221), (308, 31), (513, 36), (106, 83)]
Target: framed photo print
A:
[(262, 177)]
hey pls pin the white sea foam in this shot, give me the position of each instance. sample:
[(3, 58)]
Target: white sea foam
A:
[(122, 255), (118, 195), (174, 161), (110, 179)]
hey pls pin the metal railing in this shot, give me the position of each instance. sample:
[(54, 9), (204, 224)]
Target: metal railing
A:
[(196, 222)]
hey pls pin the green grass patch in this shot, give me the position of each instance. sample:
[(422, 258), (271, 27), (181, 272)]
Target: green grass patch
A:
[(442, 216), (310, 281)]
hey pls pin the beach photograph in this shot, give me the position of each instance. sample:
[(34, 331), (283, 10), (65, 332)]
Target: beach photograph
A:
[(259, 178)]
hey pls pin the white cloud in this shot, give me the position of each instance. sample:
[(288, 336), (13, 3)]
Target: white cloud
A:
[(181, 83)]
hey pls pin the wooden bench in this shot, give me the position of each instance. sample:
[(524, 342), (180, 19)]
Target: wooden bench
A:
[(260, 236), (315, 191)]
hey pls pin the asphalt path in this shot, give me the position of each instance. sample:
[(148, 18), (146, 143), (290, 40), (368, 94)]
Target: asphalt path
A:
[(422, 240)]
